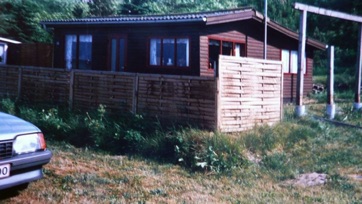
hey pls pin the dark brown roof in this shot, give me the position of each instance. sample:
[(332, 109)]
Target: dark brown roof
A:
[(207, 18), (169, 18)]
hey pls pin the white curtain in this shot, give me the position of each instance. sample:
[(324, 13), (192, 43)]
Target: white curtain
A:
[(285, 61), (70, 42), (154, 51), (237, 50), (294, 62)]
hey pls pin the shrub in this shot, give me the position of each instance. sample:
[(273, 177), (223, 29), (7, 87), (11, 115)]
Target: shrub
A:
[(214, 152), (7, 106)]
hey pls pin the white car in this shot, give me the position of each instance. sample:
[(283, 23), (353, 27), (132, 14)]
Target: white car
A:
[(23, 152)]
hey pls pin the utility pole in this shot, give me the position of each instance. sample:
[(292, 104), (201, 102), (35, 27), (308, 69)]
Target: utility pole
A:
[(265, 28), (357, 96), (331, 108), (300, 108)]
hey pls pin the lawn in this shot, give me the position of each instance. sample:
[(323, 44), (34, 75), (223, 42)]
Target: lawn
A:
[(82, 176), (271, 156)]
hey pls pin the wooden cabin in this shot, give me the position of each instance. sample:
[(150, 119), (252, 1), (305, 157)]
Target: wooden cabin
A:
[(177, 44)]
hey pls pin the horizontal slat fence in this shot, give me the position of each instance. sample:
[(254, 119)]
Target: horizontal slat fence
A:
[(115, 90), (9, 78), (250, 93), (175, 98), (247, 92), (191, 99), (44, 85)]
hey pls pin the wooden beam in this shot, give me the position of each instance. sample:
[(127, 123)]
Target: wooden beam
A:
[(326, 12)]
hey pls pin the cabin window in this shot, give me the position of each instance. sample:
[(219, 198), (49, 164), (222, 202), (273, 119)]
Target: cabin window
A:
[(223, 47), (169, 52), (78, 52), (118, 53), (290, 61), (3, 50)]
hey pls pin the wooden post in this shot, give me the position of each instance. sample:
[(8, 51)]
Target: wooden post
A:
[(331, 109), (135, 94), (357, 99), (71, 89), (300, 108), (20, 78)]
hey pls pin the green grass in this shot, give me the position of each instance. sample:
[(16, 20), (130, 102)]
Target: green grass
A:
[(158, 164)]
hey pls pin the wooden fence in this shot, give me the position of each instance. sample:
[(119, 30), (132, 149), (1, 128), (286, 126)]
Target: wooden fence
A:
[(250, 93), (246, 93), (179, 98)]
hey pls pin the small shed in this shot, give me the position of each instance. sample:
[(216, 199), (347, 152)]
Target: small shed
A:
[(178, 44)]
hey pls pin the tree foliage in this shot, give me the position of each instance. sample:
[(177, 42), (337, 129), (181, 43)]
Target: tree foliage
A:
[(102, 7)]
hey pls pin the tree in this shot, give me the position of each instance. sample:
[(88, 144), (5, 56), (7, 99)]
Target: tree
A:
[(80, 10), (102, 7)]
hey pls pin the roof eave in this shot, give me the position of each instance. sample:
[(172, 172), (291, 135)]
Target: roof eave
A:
[(110, 23)]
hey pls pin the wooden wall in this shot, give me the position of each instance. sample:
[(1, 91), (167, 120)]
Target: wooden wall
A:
[(250, 93), (31, 54)]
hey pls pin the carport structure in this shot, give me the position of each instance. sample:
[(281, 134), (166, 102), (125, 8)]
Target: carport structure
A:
[(303, 8)]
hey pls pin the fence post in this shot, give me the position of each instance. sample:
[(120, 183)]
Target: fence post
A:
[(71, 89), (20, 77), (135, 94), (217, 103)]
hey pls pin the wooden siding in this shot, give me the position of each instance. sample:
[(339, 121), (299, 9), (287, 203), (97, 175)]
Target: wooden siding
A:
[(30, 54), (250, 93), (137, 37), (137, 48)]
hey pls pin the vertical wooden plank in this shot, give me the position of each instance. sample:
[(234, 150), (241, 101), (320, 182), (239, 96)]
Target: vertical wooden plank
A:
[(71, 88), (20, 77), (218, 103), (357, 98), (301, 62), (135, 94)]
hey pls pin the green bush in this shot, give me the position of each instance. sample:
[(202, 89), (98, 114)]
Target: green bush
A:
[(7, 106), (208, 152)]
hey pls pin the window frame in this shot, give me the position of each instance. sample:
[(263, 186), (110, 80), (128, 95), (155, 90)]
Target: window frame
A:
[(118, 49), (221, 41), (293, 60), (163, 63), (77, 50)]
